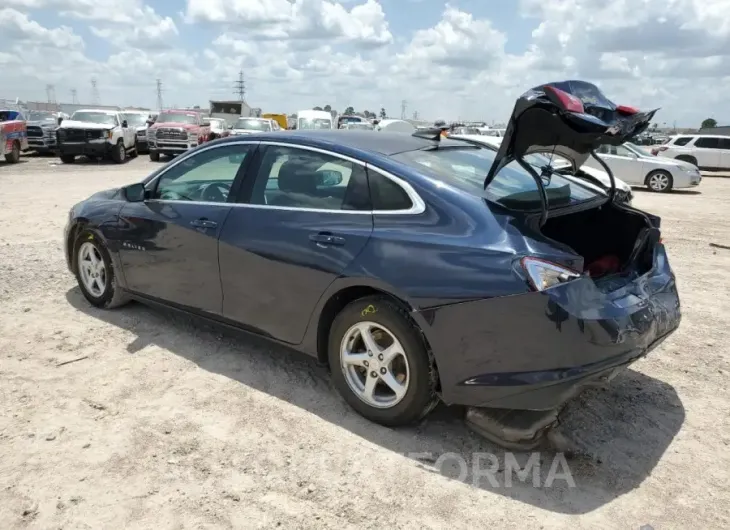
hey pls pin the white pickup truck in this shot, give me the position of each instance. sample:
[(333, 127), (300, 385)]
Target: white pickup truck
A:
[(96, 134)]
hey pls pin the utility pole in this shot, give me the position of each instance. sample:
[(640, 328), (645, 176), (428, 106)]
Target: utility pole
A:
[(415, 114), (159, 94), (74, 97), (403, 106), (51, 93), (95, 98), (240, 87)]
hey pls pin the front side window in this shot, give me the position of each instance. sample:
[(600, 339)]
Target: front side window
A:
[(513, 187), (206, 176), (299, 178), (102, 118)]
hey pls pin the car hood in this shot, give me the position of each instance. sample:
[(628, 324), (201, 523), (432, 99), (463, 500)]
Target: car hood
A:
[(70, 124), (45, 124), (175, 125), (567, 118), (670, 162)]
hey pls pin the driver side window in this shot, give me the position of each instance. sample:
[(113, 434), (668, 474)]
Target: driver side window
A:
[(206, 176)]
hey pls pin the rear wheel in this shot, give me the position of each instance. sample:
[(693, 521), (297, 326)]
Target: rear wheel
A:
[(659, 181), (687, 158), (380, 364), (95, 272), (13, 157), (134, 152), (68, 159)]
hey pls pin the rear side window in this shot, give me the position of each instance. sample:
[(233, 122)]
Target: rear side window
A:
[(724, 143), (386, 194), (682, 140), (708, 143)]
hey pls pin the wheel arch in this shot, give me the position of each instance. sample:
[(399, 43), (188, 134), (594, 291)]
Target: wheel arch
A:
[(343, 293)]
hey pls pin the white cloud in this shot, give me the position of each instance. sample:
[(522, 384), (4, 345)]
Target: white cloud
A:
[(673, 54)]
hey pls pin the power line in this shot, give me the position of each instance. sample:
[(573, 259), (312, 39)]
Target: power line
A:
[(159, 94), (51, 93), (95, 97), (240, 87)]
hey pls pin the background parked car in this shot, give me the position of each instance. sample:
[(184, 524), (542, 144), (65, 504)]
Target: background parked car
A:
[(703, 150), (218, 127), (137, 120), (42, 125), (639, 167), (253, 125)]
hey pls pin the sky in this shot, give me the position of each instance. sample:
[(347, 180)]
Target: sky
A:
[(461, 59)]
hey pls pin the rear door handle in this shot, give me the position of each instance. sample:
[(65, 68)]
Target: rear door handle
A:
[(203, 223), (326, 238)]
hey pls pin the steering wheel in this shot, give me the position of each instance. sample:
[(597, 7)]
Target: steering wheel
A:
[(215, 192)]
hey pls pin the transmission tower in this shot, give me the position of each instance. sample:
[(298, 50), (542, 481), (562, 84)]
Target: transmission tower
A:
[(51, 93), (415, 114), (74, 97), (403, 106), (240, 87), (95, 98), (159, 94)]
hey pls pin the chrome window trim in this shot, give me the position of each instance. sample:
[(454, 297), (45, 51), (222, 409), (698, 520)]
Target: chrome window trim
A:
[(418, 206)]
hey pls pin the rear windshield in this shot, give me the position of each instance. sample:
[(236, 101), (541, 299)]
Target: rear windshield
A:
[(252, 125), (513, 187)]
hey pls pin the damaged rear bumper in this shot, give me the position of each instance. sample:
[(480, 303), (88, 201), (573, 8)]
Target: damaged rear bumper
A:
[(537, 350)]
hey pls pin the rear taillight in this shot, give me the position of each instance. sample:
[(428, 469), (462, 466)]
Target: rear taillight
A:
[(629, 111), (567, 101), (545, 274)]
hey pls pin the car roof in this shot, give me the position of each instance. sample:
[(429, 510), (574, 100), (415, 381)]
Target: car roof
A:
[(384, 143), (104, 111)]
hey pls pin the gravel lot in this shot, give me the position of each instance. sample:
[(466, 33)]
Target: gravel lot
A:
[(167, 424)]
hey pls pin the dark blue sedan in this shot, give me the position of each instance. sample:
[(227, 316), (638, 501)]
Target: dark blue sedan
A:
[(383, 255)]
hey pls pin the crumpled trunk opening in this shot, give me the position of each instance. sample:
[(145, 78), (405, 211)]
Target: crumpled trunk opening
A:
[(612, 241)]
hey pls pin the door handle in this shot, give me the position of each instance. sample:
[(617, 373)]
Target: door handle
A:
[(203, 223), (326, 238)]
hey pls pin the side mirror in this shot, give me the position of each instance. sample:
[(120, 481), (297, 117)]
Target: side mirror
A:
[(135, 192), (329, 177), (60, 119), (124, 124)]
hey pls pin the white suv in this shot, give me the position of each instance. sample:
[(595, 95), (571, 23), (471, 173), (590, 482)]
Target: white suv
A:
[(703, 150)]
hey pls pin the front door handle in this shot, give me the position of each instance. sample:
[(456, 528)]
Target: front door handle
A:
[(203, 223), (326, 238)]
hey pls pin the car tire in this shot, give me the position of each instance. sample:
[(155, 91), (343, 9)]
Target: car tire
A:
[(687, 158), (68, 159), (134, 152), (13, 157), (411, 371), (119, 153), (659, 181), (154, 156), (103, 289)]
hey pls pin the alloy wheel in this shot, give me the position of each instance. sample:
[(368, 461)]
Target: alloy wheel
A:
[(374, 364), (658, 181), (92, 269)]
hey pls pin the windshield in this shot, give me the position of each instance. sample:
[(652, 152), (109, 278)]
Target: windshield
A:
[(177, 117), (41, 116), (639, 149), (513, 187), (348, 119), (252, 125), (360, 125), (314, 123), (95, 117), (135, 120)]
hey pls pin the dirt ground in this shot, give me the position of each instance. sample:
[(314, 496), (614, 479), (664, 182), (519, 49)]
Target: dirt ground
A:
[(166, 424)]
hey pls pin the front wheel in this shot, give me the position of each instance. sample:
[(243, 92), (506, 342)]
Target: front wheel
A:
[(95, 272), (68, 159), (13, 157), (154, 156), (119, 153), (659, 181), (380, 364)]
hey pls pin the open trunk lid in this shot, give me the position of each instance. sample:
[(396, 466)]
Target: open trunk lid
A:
[(570, 119)]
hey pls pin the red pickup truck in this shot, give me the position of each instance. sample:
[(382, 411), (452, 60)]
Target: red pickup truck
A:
[(176, 131)]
